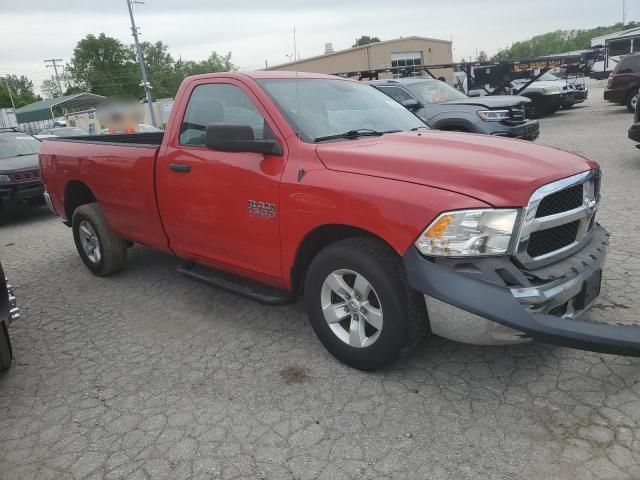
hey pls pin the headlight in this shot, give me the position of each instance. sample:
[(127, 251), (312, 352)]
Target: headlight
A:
[(5, 179), (493, 115), (469, 233), (551, 90)]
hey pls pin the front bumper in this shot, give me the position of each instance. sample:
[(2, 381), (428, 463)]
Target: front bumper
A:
[(581, 95), (20, 192), (569, 98), (530, 130), (468, 301), (634, 132), (615, 96)]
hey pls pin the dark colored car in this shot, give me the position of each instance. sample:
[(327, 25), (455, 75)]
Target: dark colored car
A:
[(20, 180), (8, 313), (444, 108), (624, 82)]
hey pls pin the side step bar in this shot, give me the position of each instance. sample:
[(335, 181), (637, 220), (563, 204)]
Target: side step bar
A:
[(255, 291)]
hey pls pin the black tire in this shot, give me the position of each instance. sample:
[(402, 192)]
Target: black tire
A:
[(6, 354), (631, 100), (113, 250), (404, 312)]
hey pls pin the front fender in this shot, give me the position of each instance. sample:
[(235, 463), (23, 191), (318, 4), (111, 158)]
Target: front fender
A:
[(393, 210)]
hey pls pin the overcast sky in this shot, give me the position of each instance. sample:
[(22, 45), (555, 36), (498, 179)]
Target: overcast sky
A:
[(259, 30)]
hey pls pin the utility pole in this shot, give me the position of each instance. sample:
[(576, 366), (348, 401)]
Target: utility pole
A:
[(145, 83), (624, 13), (54, 65), (6, 82)]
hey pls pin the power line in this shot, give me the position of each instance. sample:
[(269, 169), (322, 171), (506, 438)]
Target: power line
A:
[(145, 83), (55, 69)]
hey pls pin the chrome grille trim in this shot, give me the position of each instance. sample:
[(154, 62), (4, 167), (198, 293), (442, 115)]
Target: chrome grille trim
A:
[(584, 214)]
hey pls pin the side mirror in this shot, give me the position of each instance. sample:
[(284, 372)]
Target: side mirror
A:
[(411, 104), (474, 93), (229, 137)]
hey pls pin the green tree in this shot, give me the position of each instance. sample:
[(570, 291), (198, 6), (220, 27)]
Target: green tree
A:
[(21, 90), (482, 57), (365, 40), (105, 66), (214, 63), (49, 88), (161, 69), (551, 43)]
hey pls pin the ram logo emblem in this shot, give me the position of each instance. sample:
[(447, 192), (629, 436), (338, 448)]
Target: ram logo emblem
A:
[(262, 209)]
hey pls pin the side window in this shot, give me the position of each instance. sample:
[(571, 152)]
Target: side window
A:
[(630, 65), (219, 102), (397, 93), (619, 47)]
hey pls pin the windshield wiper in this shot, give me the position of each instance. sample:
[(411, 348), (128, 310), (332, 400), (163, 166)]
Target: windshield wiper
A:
[(415, 129), (361, 132)]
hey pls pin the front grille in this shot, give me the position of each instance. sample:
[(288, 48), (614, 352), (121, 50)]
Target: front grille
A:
[(552, 239), (25, 176), (516, 114), (561, 201)]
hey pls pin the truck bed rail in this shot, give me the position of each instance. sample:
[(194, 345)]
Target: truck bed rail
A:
[(147, 139)]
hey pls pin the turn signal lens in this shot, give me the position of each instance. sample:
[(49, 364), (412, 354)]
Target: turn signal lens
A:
[(438, 227), (468, 233)]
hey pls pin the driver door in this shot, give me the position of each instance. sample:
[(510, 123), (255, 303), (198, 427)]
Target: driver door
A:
[(221, 208)]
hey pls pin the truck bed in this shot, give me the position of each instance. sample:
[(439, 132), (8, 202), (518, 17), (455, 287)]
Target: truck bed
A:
[(118, 170), (148, 139)]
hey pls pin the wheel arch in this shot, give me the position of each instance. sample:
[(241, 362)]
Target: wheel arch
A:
[(76, 194), (317, 239)]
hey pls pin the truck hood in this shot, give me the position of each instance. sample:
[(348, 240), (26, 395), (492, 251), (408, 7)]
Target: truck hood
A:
[(542, 84), (499, 171), (16, 164), (491, 101)]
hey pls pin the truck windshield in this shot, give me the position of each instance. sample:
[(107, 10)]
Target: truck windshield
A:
[(320, 108), (548, 77), (16, 144), (435, 91)]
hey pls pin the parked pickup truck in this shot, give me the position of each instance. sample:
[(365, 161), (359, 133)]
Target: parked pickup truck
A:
[(277, 184)]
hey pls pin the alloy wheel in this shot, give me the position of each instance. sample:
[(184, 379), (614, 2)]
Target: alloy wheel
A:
[(351, 308)]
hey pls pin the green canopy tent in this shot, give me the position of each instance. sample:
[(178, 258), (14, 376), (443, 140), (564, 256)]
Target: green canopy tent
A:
[(43, 110)]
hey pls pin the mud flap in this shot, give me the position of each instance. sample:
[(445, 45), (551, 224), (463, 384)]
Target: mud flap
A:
[(497, 304)]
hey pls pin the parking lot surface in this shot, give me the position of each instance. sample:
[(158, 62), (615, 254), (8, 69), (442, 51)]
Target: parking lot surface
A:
[(148, 374)]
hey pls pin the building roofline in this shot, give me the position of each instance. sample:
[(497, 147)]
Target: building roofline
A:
[(353, 49)]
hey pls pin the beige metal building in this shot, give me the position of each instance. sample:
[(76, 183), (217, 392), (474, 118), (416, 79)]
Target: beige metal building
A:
[(401, 52)]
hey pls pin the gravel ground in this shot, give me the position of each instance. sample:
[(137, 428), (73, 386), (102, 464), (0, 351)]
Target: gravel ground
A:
[(149, 374)]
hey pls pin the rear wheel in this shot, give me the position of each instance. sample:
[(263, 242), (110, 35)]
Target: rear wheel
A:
[(360, 304), (6, 354), (632, 100), (101, 251)]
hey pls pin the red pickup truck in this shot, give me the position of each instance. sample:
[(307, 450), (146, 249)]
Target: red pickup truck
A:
[(275, 185)]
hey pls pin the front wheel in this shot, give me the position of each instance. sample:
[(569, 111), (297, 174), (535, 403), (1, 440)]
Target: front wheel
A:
[(101, 251), (6, 354), (632, 100), (360, 304)]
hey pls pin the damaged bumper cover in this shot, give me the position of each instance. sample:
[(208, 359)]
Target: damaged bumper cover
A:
[(492, 301)]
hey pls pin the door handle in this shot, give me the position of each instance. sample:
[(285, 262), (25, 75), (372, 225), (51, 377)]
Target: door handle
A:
[(180, 167)]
